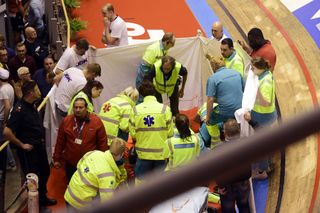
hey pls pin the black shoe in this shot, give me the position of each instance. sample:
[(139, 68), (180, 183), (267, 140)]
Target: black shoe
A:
[(48, 202)]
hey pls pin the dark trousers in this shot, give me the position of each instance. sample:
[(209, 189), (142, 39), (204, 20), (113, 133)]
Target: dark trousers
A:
[(70, 170), (143, 167), (36, 161), (236, 194), (174, 100)]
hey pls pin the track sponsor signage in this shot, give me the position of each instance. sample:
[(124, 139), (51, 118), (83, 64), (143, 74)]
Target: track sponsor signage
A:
[(308, 13)]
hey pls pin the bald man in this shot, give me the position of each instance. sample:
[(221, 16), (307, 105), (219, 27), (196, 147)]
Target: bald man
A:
[(217, 31), (34, 46)]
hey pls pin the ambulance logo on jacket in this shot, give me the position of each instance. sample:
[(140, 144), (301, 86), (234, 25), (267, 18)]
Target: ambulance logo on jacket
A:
[(86, 170), (107, 107), (148, 120)]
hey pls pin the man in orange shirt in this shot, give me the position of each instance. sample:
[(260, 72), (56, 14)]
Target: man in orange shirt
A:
[(78, 134), (260, 47)]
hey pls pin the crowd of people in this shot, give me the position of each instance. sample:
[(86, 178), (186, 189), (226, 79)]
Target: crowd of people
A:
[(90, 145)]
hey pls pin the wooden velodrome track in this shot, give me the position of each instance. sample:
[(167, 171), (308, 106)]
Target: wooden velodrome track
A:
[(294, 186)]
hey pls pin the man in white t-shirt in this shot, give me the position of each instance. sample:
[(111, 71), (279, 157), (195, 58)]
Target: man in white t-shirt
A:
[(217, 31), (6, 103), (6, 96), (115, 30), (71, 82), (75, 56)]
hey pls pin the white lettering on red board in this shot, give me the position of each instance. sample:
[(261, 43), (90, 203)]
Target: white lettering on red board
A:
[(135, 30)]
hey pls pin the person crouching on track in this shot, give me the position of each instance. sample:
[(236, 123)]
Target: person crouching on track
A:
[(234, 188), (184, 146), (98, 175), (115, 114)]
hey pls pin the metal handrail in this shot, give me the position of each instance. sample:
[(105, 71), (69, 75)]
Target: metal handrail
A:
[(43, 103), (228, 157), (67, 21)]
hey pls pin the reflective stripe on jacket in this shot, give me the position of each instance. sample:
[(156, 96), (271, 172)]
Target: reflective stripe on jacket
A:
[(181, 151), (150, 125), (267, 91), (235, 62), (97, 174), (115, 115), (154, 52), (162, 85)]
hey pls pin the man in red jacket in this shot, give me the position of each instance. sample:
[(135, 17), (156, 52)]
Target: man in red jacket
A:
[(78, 134)]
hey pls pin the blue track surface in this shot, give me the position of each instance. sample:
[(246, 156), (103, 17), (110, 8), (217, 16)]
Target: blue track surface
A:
[(204, 14)]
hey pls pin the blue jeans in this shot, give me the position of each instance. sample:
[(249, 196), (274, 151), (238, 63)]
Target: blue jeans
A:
[(145, 166), (264, 119)]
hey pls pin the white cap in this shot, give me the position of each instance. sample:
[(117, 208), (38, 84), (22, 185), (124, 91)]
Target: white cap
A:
[(4, 74)]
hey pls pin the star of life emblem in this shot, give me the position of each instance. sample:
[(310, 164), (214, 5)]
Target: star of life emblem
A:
[(149, 121)]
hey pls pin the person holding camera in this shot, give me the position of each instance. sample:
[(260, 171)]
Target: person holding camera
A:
[(78, 134)]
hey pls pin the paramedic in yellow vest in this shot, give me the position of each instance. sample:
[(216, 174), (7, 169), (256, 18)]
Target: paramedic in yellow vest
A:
[(183, 147), (264, 111), (231, 58), (153, 53), (165, 76), (150, 126), (98, 175), (115, 114)]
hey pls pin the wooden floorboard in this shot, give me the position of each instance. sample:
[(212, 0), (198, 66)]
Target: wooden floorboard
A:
[(292, 91)]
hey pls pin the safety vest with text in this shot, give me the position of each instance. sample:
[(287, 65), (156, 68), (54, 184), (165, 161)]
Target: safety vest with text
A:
[(115, 115), (166, 86), (150, 125), (97, 175), (181, 151)]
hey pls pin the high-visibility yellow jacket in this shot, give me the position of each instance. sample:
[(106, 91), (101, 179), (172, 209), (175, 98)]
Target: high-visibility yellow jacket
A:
[(97, 175), (162, 85), (154, 52), (150, 125), (181, 151), (115, 115), (85, 97), (267, 91), (235, 62), (202, 111)]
